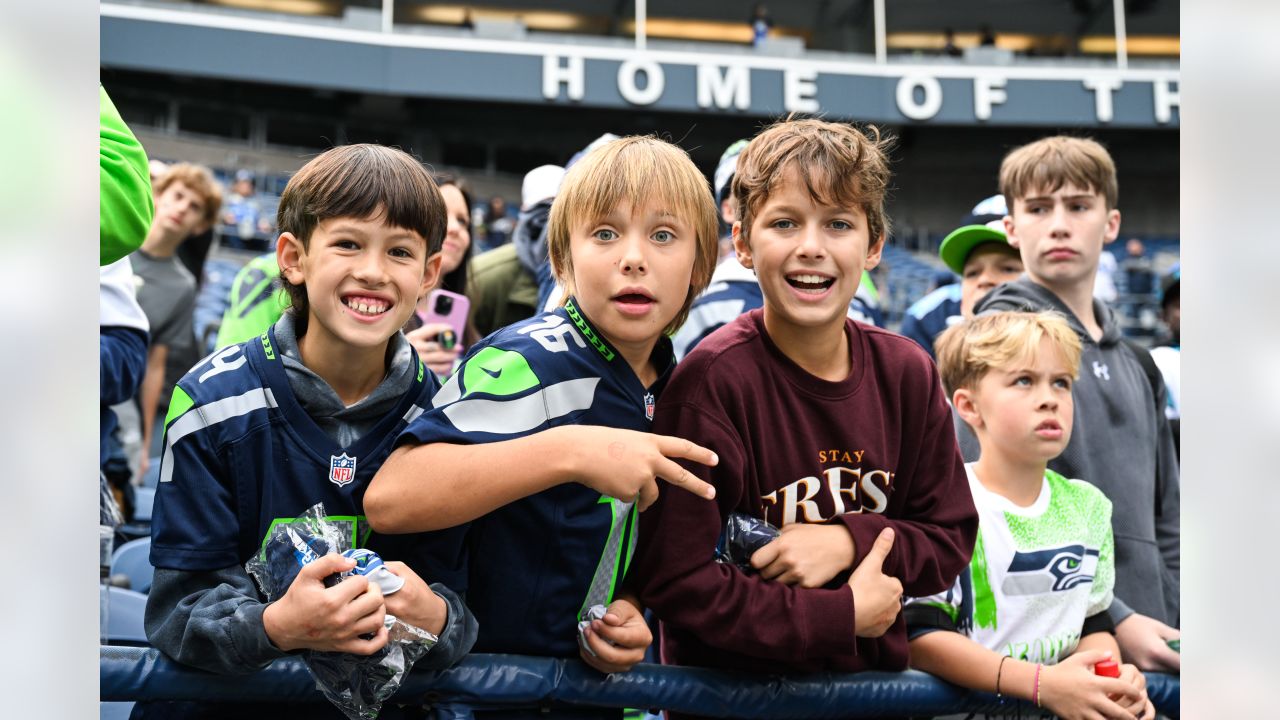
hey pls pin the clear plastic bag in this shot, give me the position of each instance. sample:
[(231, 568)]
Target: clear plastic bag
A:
[(356, 684), (742, 536)]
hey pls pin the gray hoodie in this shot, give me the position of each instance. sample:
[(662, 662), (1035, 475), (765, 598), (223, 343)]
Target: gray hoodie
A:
[(1121, 444)]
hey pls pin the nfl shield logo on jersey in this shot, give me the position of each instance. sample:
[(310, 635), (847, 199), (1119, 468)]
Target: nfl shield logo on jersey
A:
[(342, 469), (648, 406)]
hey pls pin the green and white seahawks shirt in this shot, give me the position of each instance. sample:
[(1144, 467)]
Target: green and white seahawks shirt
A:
[(1036, 575)]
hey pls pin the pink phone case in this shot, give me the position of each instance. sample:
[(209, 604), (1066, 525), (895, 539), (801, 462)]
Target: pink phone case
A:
[(449, 308)]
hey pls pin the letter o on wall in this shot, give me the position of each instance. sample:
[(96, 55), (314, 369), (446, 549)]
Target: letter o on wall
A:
[(655, 82), (926, 108)]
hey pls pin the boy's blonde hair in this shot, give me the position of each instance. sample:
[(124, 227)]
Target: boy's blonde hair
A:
[(200, 181), (1049, 163), (839, 165), (635, 170), (969, 350)]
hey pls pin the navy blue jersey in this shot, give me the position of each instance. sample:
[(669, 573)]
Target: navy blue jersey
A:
[(925, 320), (241, 455), (721, 303), (533, 562)]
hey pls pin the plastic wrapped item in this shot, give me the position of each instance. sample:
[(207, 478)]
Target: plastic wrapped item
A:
[(109, 513), (356, 684), (743, 535), (595, 612)]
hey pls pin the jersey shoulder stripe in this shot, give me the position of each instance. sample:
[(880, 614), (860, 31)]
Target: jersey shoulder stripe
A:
[(224, 392), (945, 295)]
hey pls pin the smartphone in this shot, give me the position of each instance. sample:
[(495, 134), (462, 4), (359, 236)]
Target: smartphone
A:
[(449, 308)]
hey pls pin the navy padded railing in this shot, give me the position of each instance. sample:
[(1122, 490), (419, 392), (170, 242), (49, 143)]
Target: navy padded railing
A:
[(519, 681)]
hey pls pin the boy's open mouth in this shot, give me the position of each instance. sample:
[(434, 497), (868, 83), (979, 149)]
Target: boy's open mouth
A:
[(809, 283), (1049, 430), (633, 296), (366, 305)]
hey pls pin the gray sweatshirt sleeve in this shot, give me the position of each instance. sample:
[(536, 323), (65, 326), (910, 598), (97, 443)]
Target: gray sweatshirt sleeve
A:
[(458, 635), (1168, 514), (211, 620)]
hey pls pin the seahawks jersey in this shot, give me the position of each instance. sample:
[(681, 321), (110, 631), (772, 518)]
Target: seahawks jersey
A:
[(931, 315), (1036, 575), (241, 455), (538, 563)]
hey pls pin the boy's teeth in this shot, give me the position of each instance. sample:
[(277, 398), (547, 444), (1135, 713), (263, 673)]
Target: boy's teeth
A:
[(811, 279), (366, 308)]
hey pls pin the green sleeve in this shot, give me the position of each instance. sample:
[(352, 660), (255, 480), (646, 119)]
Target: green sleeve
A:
[(255, 302), (125, 207)]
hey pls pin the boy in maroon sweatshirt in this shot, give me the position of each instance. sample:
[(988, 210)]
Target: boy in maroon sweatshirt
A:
[(838, 433)]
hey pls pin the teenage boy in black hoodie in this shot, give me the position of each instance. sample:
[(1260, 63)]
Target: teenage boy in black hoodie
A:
[(1062, 195)]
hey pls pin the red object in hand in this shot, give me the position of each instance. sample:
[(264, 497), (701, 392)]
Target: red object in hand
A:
[(1107, 668)]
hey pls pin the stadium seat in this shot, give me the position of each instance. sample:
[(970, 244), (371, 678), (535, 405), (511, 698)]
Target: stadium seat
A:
[(125, 609), (143, 498), (133, 560)]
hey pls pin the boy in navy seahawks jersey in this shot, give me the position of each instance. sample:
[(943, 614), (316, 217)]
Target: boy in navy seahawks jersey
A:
[(259, 432), (541, 436)]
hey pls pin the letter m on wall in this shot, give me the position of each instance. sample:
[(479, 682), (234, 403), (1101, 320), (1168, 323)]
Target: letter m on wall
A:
[(722, 90)]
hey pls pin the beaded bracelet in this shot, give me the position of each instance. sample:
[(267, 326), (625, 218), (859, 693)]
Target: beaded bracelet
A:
[(1036, 696)]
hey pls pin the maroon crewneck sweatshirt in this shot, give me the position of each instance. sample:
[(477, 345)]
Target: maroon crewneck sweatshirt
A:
[(874, 450)]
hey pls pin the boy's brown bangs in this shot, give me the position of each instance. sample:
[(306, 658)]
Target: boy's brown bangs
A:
[(1049, 164), (823, 184), (367, 182), (839, 165)]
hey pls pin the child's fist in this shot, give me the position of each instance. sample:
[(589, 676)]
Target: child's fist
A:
[(877, 598)]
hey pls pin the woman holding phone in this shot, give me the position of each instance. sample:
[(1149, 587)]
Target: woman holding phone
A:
[(440, 330)]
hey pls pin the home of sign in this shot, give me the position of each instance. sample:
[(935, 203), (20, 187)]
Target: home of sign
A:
[(942, 94)]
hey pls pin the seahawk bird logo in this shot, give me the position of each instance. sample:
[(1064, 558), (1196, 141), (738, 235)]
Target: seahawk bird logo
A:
[(1053, 570)]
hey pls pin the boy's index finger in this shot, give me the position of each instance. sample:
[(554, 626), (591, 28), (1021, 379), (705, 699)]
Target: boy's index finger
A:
[(326, 565), (671, 471), (675, 447)]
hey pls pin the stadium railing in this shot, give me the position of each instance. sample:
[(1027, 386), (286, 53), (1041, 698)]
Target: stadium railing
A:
[(511, 681)]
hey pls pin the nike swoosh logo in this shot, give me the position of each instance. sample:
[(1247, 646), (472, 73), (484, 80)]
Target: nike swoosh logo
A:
[(491, 373)]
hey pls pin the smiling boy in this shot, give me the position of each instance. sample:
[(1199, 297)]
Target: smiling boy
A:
[(257, 432), (1062, 194), (540, 440), (832, 430)]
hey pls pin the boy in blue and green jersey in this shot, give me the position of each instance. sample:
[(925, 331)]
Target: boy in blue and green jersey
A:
[(539, 441)]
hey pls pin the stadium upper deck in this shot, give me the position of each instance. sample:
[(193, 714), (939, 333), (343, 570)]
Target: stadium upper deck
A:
[(230, 83)]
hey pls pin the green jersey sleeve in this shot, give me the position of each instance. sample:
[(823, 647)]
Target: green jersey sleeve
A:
[(126, 207)]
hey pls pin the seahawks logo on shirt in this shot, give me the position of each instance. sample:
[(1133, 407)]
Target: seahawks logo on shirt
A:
[(1053, 570)]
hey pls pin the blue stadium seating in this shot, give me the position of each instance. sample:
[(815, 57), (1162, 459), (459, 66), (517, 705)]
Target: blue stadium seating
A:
[(133, 560), (125, 609)]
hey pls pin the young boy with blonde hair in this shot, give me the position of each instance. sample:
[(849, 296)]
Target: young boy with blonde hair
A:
[(540, 440), (834, 431), (1062, 194), (1028, 617)]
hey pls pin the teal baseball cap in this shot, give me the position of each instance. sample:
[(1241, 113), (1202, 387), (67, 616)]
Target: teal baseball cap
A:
[(957, 246)]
